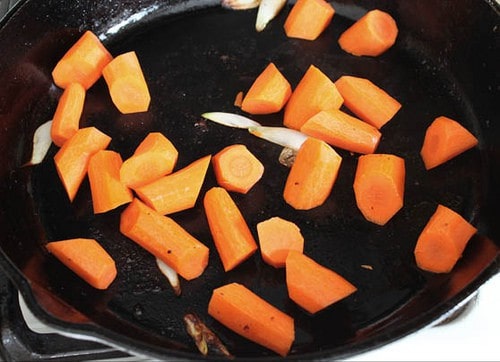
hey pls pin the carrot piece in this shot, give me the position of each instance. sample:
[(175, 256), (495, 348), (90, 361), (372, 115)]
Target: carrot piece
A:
[(445, 139), (86, 258), (233, 239), (108, 192), (308, 19), (238, 99), (314, 286), (312, 175), (372, 34), (82, 63), (268, 93), (127, 85), (250, 316), (442, 241), (276, 238), (155, 157), (379, 185), (177, 191), (342, 130), (237, 169), (367, 101), (315, 92), (73, 157), (165, 239), (66, 120)]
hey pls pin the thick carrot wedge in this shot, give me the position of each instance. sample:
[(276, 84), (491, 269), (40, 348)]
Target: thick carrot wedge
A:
[(312, 175), (445, 139), (250, 316), (341, 130), (313, 286), (233, 239), (276, 238), (308, 19), (73, 157), (442, 241), (165, 239), (268, 93), (373, 34), (367, 101), (155, 157), (315, 92), (108, 192), (177, 191), (82, 63), (66, 120), (379, 185), (127, 85), (87, 258), (237, 169)]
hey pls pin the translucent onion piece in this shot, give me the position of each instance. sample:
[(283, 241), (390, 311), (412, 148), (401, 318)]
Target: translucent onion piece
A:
[(240, 4), (41, 143), (230, 119), (282, 136), (171, 275), (268, 10), (204, 338), (287, 157)]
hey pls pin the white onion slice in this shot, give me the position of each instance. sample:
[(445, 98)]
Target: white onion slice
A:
[(41, 143), (268, 10), (230, 119), (282, 136), (240, 4), (171, 275)]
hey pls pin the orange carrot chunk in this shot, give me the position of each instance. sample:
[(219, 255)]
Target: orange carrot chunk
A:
[(108, 192), (276, 238), (308, 19), (86, 258), (341, 130), (250, 316), (312, 175), (268, 93), (73, 157), (155, 157), (315, 92), (367, 101), (233, 239), (177, 191), (373, 34), (127, 85), (66, 120), (313, 286), (379, 185), (165, 239), (237, 169), (82, 63), (238, 99), (442, 241), (445, 139)]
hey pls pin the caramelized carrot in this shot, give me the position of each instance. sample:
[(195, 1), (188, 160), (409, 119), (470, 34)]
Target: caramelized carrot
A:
[(82, 63), (66, 120), (342, 130), (177, 191), (155, 157), (233, 239), (250, 316), (315, 92), (442, 241), (237, 169), (108, 192), (373, 34), (238, 100), (445, 139), (86, 258), (127, 85), (73, 157), (276, 238), (379, 185), (312, 175), (367, 101), (165, 239), (308, 19), (313, 286), (268, 93)]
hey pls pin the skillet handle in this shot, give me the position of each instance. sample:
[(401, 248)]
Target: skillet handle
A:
[(6, 5)]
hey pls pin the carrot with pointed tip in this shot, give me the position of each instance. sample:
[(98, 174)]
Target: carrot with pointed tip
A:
[(66, 120), (308, 19)]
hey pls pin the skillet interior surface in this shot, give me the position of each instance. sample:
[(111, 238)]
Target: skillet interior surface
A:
[(196, 56)]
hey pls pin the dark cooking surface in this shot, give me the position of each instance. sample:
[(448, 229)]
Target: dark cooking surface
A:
[(196, 61)]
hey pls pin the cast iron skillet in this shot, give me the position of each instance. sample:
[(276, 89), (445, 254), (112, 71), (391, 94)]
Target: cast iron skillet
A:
[(196, 56)]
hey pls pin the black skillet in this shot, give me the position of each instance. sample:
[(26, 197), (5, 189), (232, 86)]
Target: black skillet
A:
[(196, 56)]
